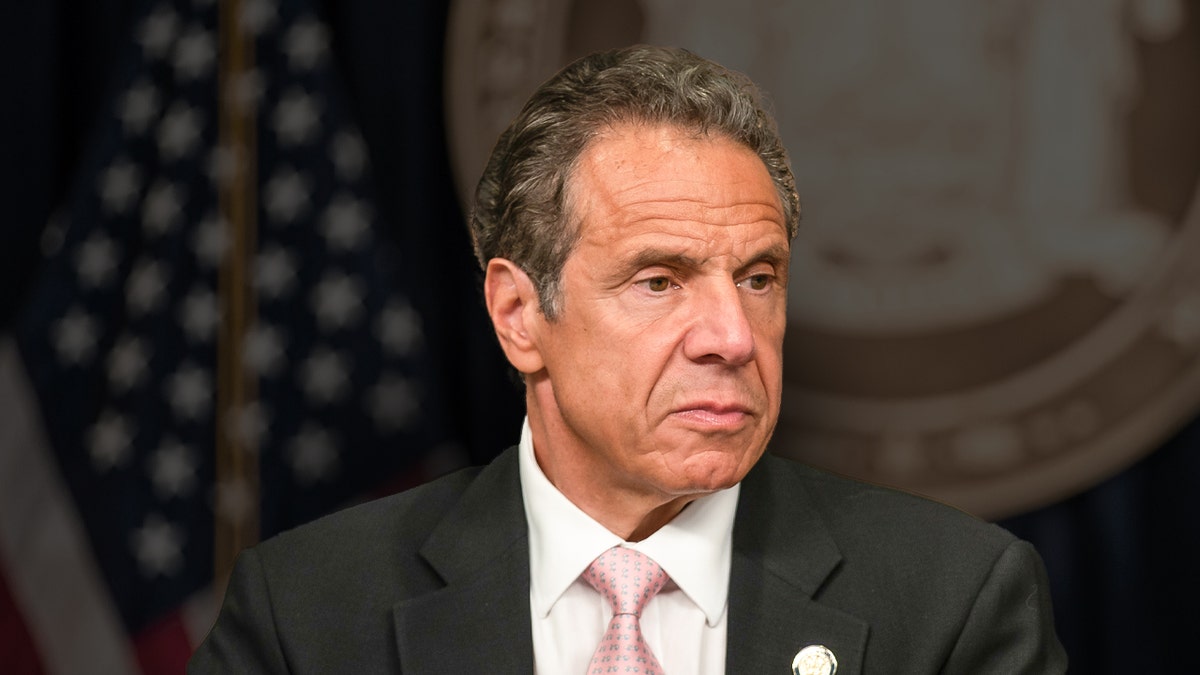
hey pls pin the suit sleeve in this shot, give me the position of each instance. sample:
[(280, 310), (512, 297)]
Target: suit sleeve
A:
[(244, 639), (1010, 628)]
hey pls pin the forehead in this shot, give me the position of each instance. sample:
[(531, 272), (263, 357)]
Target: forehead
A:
[(670, 177)]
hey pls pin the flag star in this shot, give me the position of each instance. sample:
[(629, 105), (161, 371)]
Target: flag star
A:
[(162, 209), (349, 155), (337, 300), (74, 337), (195, 54), (157, 32), (257, 16), (274, 273), (296, 117), (324, 376), (262, 350), (127, 363), (248, 424), (138, 107), (179, 132), (393, 403), (210, 240), (306, 43), (313, 455), (110, 442), (399, 328), (146, 287), (172, 470), (200, 315), (286, 195), (158, 547), (96, 260), (53, 235), (345, 222), (190, 392), (119, 185)]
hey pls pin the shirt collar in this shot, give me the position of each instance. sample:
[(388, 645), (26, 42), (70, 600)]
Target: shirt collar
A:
[(694, 549)]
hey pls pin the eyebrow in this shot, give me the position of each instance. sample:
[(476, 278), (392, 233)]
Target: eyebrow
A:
[(649, 257), (774, 255)]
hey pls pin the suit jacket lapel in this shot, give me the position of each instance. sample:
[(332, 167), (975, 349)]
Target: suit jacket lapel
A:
[(782, 556), (480, 621)]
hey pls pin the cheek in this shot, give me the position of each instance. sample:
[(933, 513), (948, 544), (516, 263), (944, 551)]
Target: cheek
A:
[(770, 339), (769, 363), (610, 373), (658, 364), (771, 372), (636, 353)]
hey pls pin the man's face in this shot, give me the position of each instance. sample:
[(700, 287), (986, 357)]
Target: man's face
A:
[(663, 370)]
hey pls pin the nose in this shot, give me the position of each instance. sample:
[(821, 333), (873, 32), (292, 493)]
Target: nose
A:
[(720, 330)]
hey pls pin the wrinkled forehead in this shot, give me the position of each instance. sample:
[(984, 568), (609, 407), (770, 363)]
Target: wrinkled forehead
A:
[(633, 171)]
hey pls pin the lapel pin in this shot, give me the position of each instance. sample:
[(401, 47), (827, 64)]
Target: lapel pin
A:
[(814, 660)]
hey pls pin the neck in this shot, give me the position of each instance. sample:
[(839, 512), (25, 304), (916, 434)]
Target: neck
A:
[(628, 514), (630, 511), (650, 522)]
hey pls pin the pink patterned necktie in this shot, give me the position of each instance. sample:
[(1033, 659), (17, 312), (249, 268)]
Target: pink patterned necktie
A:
[(627, 579)]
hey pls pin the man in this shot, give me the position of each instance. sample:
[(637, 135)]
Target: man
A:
[(634, 223)]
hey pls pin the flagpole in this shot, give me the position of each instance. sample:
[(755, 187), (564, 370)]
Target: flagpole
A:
[(236, 523)]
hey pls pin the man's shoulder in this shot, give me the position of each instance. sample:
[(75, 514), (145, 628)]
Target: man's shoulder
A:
[(935, 586), (867, 519), (328, 589), (392, 534), (390, 521)]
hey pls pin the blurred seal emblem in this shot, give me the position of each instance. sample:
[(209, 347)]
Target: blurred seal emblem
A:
[(814, 660), (993, 298)]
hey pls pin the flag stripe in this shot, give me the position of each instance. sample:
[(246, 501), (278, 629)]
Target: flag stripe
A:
[(17, 651), (52, 571), (163, 648), (199, 615)]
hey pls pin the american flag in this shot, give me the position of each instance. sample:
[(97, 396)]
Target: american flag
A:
[(109, 489)]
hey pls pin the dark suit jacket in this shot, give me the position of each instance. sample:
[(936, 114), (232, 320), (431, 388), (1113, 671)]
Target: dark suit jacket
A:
[(436, 580)]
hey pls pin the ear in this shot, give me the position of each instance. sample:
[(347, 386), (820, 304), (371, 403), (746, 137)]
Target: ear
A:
[(512, 302)]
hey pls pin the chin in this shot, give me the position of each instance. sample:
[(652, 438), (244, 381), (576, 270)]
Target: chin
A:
[(713, 471)]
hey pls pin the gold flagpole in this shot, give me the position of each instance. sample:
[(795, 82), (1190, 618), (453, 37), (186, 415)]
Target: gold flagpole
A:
[(237, 477)]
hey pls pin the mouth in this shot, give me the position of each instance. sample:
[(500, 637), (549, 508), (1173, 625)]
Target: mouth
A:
[(713, 415)]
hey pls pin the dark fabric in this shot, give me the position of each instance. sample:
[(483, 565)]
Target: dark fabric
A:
[(889, 582), (1124, 564), (432, 580), (59, 77), (391, 58), (57, 63)]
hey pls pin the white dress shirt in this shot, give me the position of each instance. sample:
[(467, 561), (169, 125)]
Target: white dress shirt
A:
[(684, 624)]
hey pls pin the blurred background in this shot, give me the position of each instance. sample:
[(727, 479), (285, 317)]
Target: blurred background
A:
[(236, 289)]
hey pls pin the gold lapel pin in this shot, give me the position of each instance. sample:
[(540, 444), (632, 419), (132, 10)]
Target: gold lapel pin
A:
[(814, 660)]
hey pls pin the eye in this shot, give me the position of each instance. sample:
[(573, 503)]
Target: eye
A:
[(657, 284), (756, 282)]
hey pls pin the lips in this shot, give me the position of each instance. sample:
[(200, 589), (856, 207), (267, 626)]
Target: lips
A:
[(713, 414)]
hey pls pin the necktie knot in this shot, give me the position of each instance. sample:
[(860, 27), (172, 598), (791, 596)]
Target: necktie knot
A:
[(626, 578)]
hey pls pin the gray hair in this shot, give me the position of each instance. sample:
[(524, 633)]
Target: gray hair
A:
[(520, 204)]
